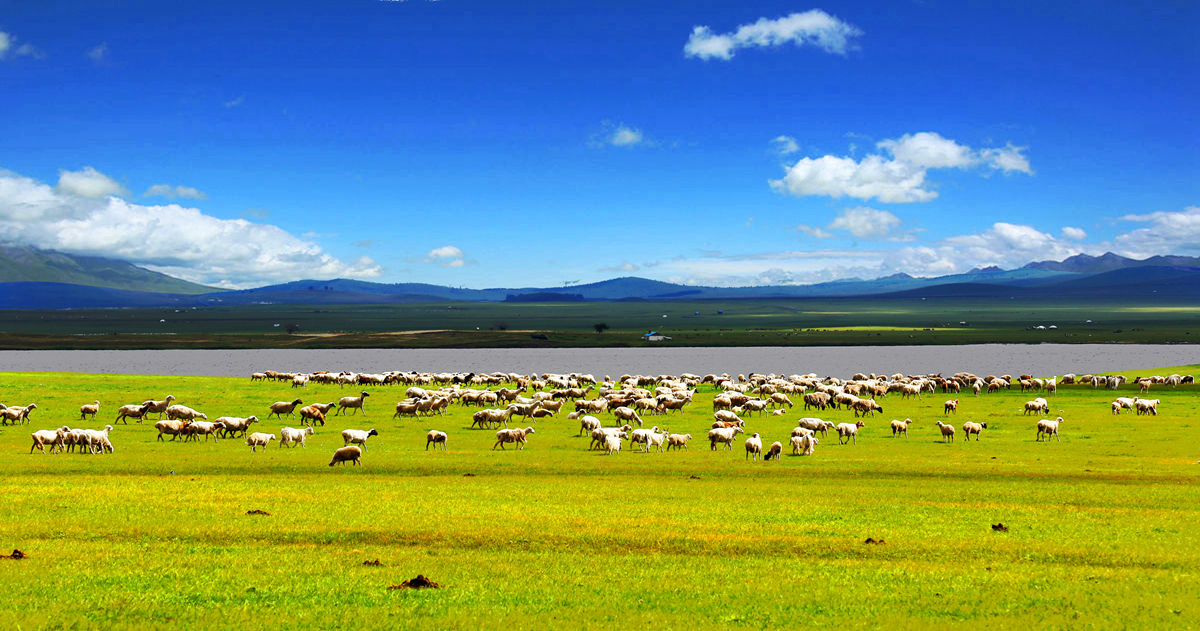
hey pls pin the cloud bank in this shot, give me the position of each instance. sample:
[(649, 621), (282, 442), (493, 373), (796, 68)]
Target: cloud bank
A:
[(811, 28)]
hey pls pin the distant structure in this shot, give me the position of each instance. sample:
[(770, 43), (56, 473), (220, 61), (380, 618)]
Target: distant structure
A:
[(654, 336)]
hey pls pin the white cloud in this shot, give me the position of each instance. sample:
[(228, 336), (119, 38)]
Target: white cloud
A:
[(172, 192), (785, 145), (866, 223), (88, 183), (624, 267), (814, 231), (811, 28), (235, 102), (625, 137), (8, 45), (446, 256), (1073, 233), (99, 53), (1168, 232), (897, 174), (182, 242)]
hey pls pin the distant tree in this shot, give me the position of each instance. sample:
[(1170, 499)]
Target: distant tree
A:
[(501, 326), (600, 327), (293, 327)]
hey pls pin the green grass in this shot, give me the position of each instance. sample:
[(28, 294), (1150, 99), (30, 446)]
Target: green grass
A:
[(1102, 523), (824, 321)]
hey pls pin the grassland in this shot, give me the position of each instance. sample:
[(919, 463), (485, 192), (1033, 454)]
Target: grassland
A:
[(1102, 524), (812, 322)]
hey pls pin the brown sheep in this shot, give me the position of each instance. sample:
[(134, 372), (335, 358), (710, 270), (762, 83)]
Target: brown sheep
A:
[(279, 408), (344, 454), (89, 410)]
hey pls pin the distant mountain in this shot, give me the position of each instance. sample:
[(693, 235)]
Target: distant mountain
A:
[(1107, 262), (22, 263)]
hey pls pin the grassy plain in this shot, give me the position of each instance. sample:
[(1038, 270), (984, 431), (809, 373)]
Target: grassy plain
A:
[(811, 322), (1102, 524)]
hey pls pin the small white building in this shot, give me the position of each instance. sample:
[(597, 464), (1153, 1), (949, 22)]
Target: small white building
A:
[(653, 336)]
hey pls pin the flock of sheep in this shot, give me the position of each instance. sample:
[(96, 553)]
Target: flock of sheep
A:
[(627, 399)]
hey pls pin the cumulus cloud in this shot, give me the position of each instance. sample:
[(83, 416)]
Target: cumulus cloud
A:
[(446, 256), (896, 174), (9, 47), (785, 145), (83, 215), (1073, 233), (624, 136), (814, 231), (88, 183), (1167, 232), (810, 28), (866, 223), (172, 192)]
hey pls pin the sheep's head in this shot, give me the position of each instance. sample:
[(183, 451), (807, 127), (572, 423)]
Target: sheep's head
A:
[(372, 432), (170, 397), (365, 393)]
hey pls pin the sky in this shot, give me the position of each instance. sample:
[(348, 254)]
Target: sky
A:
[(490, 143)]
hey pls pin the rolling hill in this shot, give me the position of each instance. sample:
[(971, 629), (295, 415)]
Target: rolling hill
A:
[(22, 263)]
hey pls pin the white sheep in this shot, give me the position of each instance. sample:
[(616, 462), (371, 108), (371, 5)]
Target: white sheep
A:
[(159, 406), (947, 432), (613, 442), (184, 413), (970, 428), (358, 436), (627, 414), (295, 436), (353, 403), (848, 430), (587, 424), (97, 439), (259, 439), (900, 427), (516, 435), (641, 436), (90, 409), (135, 411), (52, 437), (754, 446), (678, 441), (1147, 406), (804, 445), (436, 438), (1048, 428)]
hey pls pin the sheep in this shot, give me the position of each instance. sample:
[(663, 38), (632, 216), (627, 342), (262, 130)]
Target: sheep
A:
[(205, 428), (773, 451), (780, 399), (1048, 428), (349, 453), (973, 428), (323, 408), (900, 427), (627, 414), (849, 430), (353, 403), (17, 414), (754, 446), (259, 439), (294, 436), (862, 407), (726, 418), (135, 411), (802, 431), (599, 434), (950, 406), (279, 408), (803, 445), (52, 437), (311, 415), (89, 410), (97, 439), (517, 436), (587, 424), (358, 436), (947, 432), (234, 425), (490, 418), (1037, 405), (816, 425), (678, 441), (184, 413), (723, 435), (159, 406), (819, 400), (436, 438), (300, 381), (643, 436), (171, 428), (613, 442), (1147, 406)]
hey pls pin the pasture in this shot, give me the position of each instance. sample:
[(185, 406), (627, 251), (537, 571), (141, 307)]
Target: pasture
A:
[(1101, 525)]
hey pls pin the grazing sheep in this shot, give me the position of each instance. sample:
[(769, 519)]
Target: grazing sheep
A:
[(195, 429), (436, 438), (344, 454), (517, 436), (97, 440), (587, 424), (816, 425), (358, 436), (599, 434), (773, 451), (849, 430), (234, 425), (804, 445), (970, 428), (52, 437), (259, 439), (950, 406), (353, 403), (723, 435), (678, 441), (1147, 406), (947, 432), (279, 408), (89, 410), (171, 428), (862, 407), (613, 442), (184, 413), (135, 411), (490, 418), (311, 415), (1037, 405), (1048, 428), (627, 414), (900, 427), (294, 436), (159, 406), (754, 446)]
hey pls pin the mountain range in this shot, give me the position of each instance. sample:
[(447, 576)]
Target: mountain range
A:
[(41, 279)]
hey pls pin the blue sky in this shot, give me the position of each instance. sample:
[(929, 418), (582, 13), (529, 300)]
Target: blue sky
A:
[(542, 143)]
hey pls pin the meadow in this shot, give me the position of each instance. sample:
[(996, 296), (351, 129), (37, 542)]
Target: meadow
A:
[(1101, 525), (772, 322)]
